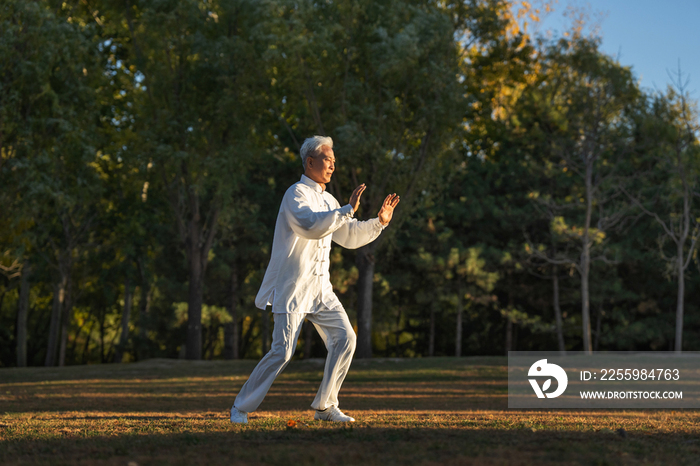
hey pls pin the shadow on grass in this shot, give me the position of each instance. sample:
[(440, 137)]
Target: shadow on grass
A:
[(364, 445), (158, 369), (431, 411), (172, 386), (118, 417), (273, 402)]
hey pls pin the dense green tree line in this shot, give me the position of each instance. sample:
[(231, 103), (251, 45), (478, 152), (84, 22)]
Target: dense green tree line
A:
[(549, 203)]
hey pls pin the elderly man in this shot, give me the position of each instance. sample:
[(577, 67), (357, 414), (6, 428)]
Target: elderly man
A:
[(297, 283)]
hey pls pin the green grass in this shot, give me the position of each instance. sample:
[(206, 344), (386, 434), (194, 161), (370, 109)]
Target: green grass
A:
[(421, 411)]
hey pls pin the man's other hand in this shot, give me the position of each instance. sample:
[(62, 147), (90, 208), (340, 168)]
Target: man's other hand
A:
[(355, 197), (387, 210)]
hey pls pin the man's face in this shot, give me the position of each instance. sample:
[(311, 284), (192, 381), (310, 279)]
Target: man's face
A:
[(320, 168)]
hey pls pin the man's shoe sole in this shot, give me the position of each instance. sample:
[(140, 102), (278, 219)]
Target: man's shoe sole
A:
[(317, 418)]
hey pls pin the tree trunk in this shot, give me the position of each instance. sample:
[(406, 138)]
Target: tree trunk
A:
[(126, 316), (247, 336), (557, 311), (598, 321), (679, 301), (458, 339), (22, 313), (231, 332), (264, 330), (144, 301), (110, 350), (74, 343), (86, 347), (234, 313), (103, 314), (365, 266), (55, 326), (228, 340), (197, 238), (2, 296), (211, 333), (398, 332), (308, 338), (585, 304), (67, 317), (586, 263), (509, 335), (431, 337), (194, 302)]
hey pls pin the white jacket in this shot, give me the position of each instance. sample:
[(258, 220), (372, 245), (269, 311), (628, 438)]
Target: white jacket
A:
[(298, 272)]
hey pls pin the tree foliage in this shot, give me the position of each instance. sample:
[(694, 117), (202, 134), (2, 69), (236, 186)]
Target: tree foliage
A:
[(548, 201)]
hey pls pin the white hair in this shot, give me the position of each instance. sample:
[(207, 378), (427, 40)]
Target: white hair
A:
[(312, 145)]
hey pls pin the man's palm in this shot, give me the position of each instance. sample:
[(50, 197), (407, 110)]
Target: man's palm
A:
[(387, 210), (355, 197)]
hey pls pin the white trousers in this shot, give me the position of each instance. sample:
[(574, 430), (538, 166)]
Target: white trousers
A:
[(334, 327)]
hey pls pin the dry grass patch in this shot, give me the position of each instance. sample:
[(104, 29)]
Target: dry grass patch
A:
[(429, 411)]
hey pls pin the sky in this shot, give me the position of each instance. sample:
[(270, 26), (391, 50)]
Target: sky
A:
[(648, 35)]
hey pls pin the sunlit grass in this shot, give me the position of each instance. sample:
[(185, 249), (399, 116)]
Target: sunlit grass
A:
[(425, 411)]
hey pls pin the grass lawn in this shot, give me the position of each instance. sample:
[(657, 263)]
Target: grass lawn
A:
[(421, 411)]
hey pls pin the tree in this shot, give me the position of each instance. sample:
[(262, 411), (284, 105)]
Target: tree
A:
[(48, 122), (583, 104), (473, 283), (667, 183), (198, 95), (22, 311), (381, 78)]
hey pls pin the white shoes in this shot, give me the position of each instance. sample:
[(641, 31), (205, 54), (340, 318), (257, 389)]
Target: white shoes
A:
[(238, 417), (333, 414)]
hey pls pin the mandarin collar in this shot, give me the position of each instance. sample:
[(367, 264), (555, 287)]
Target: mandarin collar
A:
[(309, 182)]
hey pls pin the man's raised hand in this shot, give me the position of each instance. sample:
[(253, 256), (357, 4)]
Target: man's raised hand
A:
[(387, 210), (355, 197)]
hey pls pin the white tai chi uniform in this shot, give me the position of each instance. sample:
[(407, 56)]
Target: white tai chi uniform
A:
[(297, 285)]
